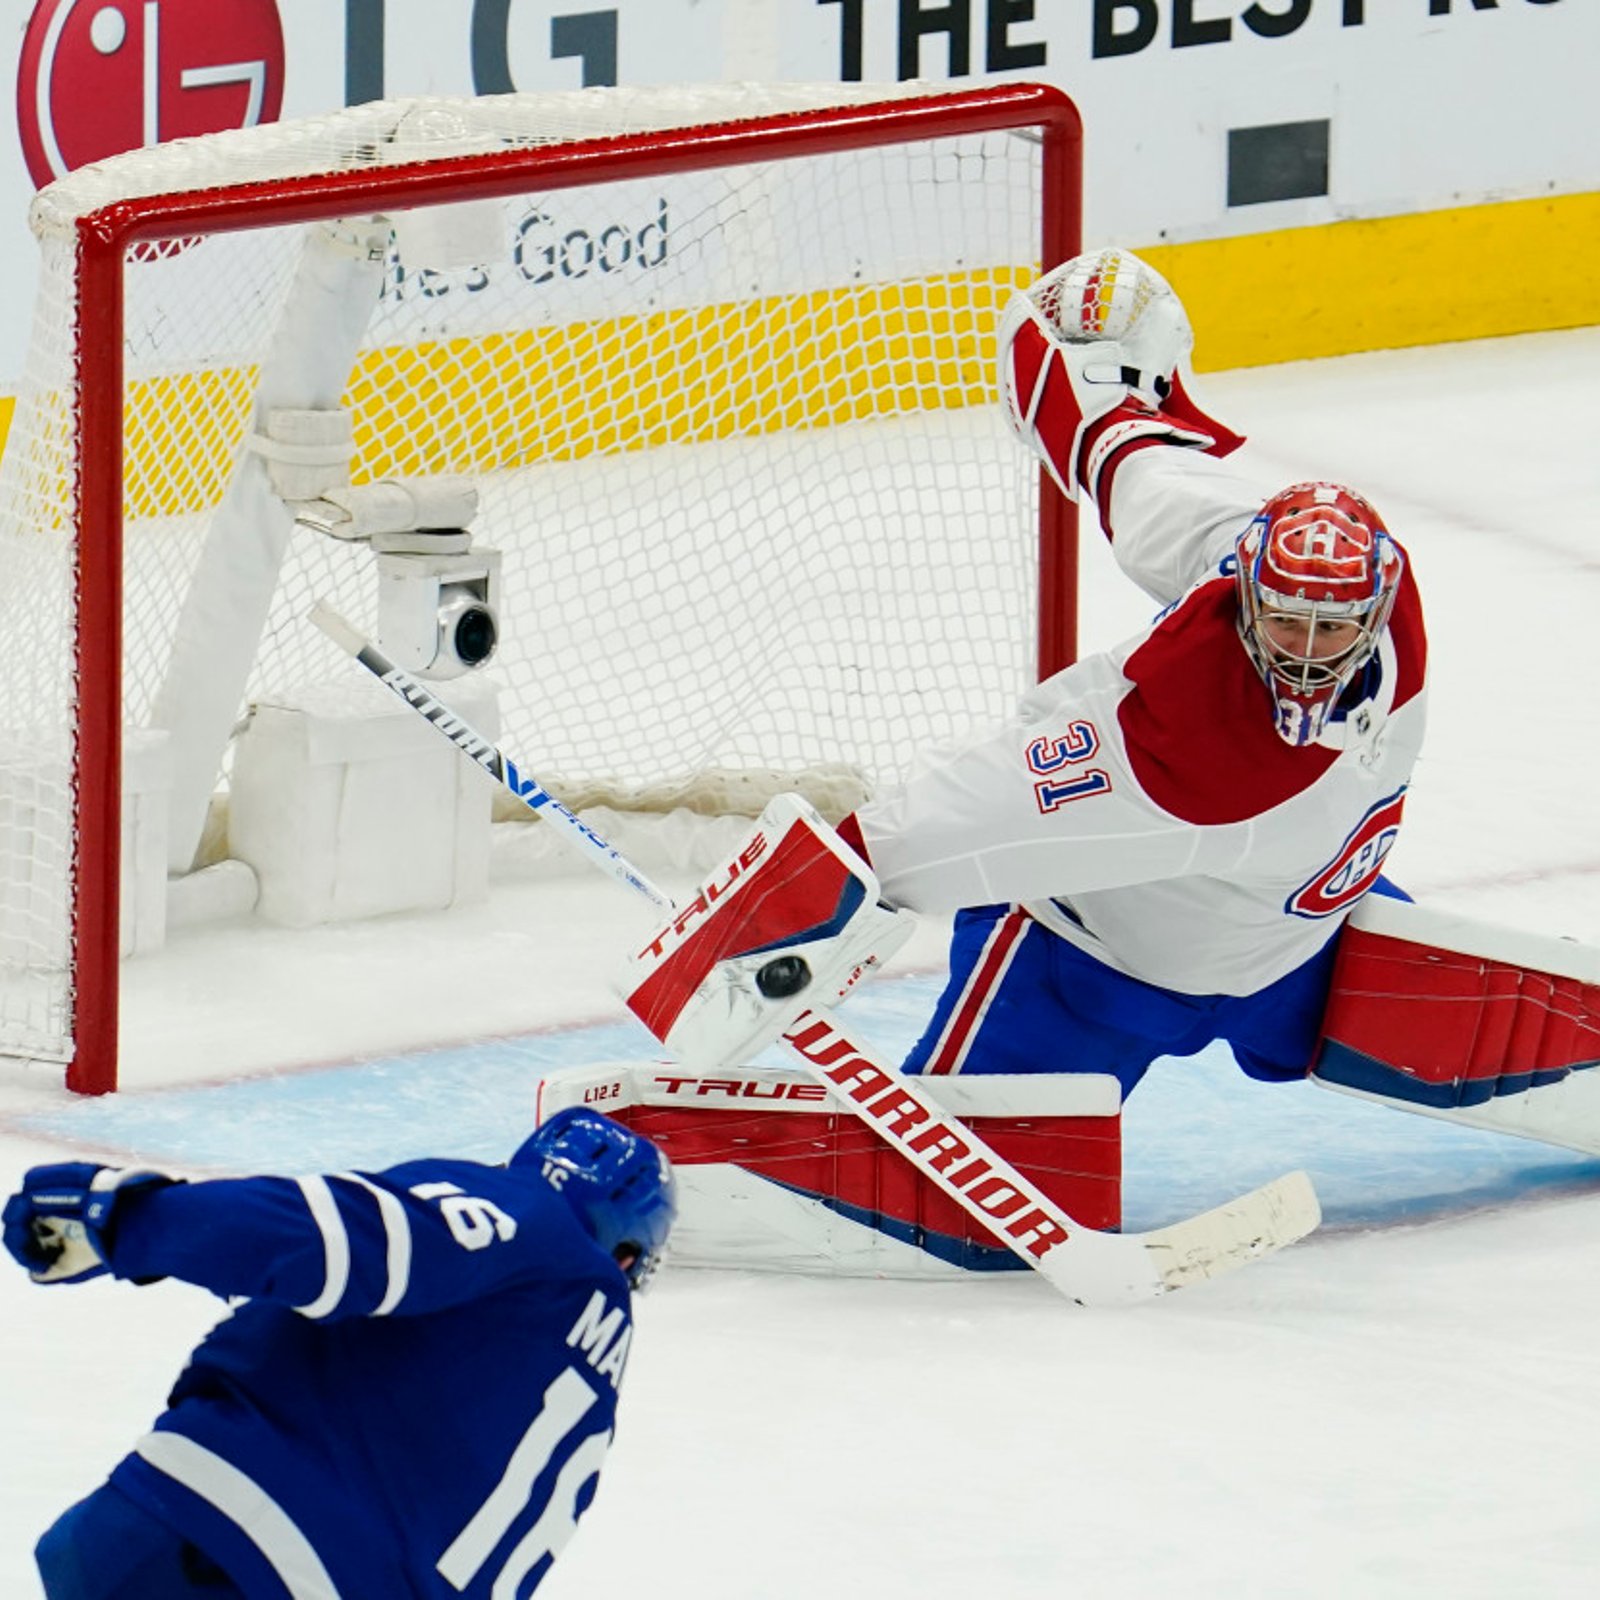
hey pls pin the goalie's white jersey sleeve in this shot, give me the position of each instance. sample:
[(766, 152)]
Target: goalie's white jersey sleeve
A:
[(1172, 516), (1140, 803)]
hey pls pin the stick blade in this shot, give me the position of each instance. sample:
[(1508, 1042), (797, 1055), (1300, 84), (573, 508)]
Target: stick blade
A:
[(1235, 1233)]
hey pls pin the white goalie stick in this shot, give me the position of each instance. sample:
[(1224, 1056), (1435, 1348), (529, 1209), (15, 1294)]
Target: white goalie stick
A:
[(1089, 1267)]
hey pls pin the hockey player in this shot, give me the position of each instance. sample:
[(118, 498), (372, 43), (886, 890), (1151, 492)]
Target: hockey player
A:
[(1159, 848), (417, 1395)]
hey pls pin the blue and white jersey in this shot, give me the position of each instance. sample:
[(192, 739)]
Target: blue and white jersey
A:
[(417, 1396)]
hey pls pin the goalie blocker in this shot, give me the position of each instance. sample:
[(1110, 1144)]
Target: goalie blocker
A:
[(1481, 1025), (791, 923)]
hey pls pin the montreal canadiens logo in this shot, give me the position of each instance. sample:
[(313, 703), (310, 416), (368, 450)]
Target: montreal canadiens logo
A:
[(98, 77), (1355, 869)]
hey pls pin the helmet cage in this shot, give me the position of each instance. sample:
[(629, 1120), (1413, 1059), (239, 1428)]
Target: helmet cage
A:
[(1308, 674), (1315, 554)]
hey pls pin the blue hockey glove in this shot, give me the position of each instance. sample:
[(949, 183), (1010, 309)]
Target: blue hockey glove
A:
[(58, 1225)]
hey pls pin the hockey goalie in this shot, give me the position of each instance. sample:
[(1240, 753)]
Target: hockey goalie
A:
[(1176, 842)]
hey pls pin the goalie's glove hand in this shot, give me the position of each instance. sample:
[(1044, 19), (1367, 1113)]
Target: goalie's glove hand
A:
[(60, 1224), (1120, 316), (1099, 332)]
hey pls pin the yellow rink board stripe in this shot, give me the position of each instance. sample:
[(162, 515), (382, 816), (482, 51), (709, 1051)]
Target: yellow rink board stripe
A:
[(1522, 266), (490, 401), (677, 377), (476, 403)]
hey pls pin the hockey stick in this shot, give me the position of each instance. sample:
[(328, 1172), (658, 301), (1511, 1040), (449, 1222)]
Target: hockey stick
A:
[(1089, 1267)]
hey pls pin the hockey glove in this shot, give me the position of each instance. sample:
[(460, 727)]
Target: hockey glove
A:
[(59, 1225), (793, 921), (1098, 339)]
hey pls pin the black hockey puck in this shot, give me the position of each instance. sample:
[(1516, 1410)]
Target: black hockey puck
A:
[(783, 976)]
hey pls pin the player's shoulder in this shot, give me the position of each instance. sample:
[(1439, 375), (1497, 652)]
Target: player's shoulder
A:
[(466, 1190), (1196, 720), (1409, 634), (467, 1176)]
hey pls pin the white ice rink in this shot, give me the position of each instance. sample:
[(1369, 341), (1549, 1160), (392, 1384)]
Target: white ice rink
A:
[(1406, 1405)]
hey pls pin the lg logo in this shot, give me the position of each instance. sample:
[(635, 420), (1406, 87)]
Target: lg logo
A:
[(101, 76)]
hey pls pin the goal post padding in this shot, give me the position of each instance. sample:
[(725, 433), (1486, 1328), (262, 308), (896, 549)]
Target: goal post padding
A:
[(724, 394)]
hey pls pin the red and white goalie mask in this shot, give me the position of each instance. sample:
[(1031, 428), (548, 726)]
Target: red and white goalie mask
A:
[(1317, 576)]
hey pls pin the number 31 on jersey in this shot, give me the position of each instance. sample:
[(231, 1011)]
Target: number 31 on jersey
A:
[(1058, 765)]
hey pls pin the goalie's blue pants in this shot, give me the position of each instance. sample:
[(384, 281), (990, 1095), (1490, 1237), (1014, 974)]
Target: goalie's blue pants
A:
[(1022, 999), (107, 1548)]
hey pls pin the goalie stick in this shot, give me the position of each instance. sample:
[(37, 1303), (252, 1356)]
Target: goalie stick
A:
[(1089, 1267)]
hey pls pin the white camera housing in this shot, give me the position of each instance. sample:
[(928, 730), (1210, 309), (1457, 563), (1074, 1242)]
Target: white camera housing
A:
[(438, 611)]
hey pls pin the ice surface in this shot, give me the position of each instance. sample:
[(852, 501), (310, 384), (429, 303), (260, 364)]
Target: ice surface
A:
[(1405, 1405)]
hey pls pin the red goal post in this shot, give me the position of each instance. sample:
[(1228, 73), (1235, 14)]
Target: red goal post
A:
[(70, 481)]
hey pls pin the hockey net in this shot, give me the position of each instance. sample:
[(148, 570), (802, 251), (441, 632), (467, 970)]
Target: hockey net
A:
[(720, 373)]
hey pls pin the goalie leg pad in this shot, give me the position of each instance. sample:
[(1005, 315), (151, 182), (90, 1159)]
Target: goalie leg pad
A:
[(792, 922), (1476, 1024), (772, 1174)]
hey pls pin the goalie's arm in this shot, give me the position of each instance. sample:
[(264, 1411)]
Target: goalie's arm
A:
[(804, 911), (1049, 803)]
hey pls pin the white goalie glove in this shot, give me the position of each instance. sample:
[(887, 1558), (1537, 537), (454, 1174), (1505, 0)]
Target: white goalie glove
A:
[(1099, 341), (1128, 326), (790, 923)]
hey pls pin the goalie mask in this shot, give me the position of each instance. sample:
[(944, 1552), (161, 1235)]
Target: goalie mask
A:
[(1317, 576), (619, 1185)]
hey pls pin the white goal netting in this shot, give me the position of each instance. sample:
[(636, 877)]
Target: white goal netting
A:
[(730, 425)]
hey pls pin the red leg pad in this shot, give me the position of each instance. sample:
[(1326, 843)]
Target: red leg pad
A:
[(1439, 1027), (777, 1131)]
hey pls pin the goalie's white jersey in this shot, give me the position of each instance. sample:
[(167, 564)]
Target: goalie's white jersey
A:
[(1140, 803)]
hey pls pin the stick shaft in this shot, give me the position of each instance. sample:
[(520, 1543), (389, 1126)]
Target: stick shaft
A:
[(487, 755)]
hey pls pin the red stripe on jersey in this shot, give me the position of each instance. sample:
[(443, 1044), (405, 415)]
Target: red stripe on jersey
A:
[(988, 973), (1197, 721), (1410, 640), (1177, 411), (1107, 475)]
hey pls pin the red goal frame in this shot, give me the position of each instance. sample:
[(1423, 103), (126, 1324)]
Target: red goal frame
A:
[(105, 236)]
